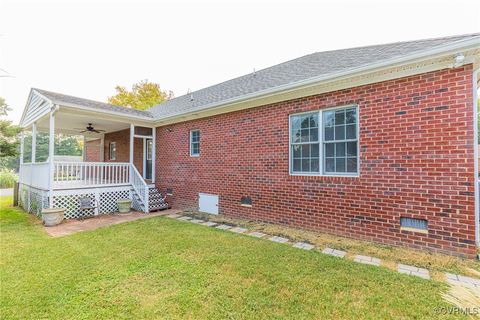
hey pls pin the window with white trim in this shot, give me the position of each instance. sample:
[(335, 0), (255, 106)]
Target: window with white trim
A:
[(324, 142), (113, 151), (195, 143)]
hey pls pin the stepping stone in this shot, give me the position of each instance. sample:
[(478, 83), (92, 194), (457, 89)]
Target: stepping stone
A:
[(462, 280), (197, 221), (209, 224), (257, 234), (367, 260), (173, 216), (184, 218), (334, 252), (223, 227), (278, 239), (238, 230), (304, 246), (413, 271)]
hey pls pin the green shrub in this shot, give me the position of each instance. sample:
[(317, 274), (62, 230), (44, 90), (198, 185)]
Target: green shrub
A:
[(7, 179)]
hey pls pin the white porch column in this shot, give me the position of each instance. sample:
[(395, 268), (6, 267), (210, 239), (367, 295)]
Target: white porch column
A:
[(154, 156), (102, 148), (51, 156), (34, 141), (22, 138), (132, 137)]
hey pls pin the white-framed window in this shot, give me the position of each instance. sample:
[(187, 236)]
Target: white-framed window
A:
[(194, 143), (113, 151), (325, 142)]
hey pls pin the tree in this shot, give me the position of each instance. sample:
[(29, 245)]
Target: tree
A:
[(8, 133), (143, 95)]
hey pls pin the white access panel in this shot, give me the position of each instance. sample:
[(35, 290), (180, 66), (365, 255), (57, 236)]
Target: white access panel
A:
[(208, 203)]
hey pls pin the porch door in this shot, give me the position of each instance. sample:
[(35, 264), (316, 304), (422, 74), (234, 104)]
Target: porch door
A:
[(148, 158)]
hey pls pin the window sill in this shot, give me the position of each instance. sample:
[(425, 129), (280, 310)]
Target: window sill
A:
[(246, 205), (413, 230), (356, 175)]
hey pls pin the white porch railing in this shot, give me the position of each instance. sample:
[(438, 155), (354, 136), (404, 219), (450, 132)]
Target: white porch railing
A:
[(83, 174), (35, 174), (140, 187)]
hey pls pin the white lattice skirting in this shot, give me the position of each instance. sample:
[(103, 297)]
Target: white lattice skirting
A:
[(34, 200)]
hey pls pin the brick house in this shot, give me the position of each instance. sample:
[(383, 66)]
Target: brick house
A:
[(376, 143)]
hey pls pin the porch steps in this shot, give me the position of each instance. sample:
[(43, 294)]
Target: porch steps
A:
[(155, 200)]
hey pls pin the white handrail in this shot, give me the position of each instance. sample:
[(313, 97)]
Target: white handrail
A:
[(140, 187), (74, 174)]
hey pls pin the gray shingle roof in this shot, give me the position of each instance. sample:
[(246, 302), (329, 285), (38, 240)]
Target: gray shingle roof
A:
[(59, 98), (303, 68)]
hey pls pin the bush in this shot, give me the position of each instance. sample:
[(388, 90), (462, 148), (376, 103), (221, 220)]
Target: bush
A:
[(7, 179)]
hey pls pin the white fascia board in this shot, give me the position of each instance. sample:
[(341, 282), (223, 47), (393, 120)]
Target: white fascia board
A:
[(385, 64)]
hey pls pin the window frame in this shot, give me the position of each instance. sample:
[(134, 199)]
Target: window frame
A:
[(114, 144), (149, 151), (321, 143), (191, 143)]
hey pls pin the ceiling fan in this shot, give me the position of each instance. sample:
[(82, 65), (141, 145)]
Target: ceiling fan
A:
[(90, 128)]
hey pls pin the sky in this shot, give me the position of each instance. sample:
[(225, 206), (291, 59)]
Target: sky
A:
[(86, 48)]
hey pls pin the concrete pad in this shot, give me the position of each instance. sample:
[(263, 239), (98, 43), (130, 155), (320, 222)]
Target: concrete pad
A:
[(413, 271), (209, 224), (223, 227), (72, 226), (198, 221), (367, 260), (184, 218)]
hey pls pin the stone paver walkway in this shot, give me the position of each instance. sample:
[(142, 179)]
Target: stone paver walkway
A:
[(462, 280), (223, 227), (173, 216), (184, 218), (304, 246), (209, 224), (238, 230), (73, 226), (367, 260), (413, 271), (334, 252), (197, 221), (278, 239), (257, 234)]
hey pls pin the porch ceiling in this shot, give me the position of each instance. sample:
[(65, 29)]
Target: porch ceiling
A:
[(70, 123)]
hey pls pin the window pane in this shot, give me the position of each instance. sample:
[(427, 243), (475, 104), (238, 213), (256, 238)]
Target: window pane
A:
[(330, 165), (351, 116), (340, 165), (305, 135), (351, 148), (330, 150), (352, 165), (329, 133), (305, 122), (296, 135), (351, 131), (340, 133), (328, 119), (305, 165), (297, 167), (305, 151), (314, 150), (297, 151), (314, 134), (340, 149), (315, 165), (339, 117)]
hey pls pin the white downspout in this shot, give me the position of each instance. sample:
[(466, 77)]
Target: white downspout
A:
[(475, 153)]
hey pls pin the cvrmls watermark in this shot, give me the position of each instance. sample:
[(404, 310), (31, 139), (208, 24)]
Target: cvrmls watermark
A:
[(457, 310)]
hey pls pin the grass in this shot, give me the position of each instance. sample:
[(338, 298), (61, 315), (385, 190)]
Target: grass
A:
[(437, 263), (163, 268), (7, 178)]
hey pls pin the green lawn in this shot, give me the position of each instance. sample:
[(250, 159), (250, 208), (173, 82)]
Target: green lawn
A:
[(162, 268)]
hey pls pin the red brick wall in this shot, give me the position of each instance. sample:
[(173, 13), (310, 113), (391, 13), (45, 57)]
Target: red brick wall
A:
[(416, 160), (92, 151), (122, 138)]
